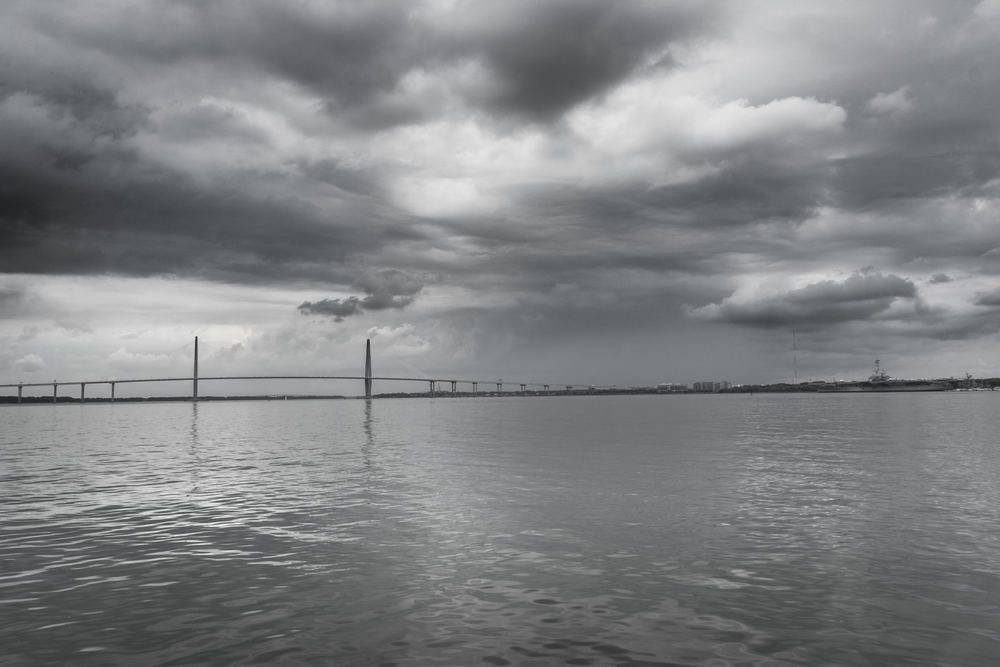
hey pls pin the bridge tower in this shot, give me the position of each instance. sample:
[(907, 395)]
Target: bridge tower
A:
[(368, 369), (194, 382)]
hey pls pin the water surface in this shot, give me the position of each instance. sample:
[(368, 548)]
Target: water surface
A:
[(633, 530)]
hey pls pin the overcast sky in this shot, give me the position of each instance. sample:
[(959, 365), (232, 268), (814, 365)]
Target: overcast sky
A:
[(578, 191)]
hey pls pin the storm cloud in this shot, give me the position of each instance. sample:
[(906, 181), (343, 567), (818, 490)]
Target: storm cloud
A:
[(861, 296), (988, 298), (486, 174), (384, 289)]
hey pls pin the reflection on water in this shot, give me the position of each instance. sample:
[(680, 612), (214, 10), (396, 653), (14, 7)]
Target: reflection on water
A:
[(194, 455), (651, 530), (369, 445)]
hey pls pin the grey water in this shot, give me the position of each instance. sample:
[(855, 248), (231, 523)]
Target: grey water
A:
[(631, 530)]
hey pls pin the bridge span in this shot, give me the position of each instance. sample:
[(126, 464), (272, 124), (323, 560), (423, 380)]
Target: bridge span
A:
[(368, 378)]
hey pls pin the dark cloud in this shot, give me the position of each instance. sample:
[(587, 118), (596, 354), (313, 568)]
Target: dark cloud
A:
[(943, 140), (863, 286), (384, 301), (77, 195), (547, 57), (67, 91), (946, 326), (988, 298), (543, 58), (347, 50), (744, 193), (388, 282), (98, 110), (386, 289), (336, 308), (84, 200), (736, 195), (859, 297), (116, 213), (120, 213), (880, 179), (938, 278)]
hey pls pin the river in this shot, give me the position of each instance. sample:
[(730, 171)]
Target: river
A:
[(709, 530)]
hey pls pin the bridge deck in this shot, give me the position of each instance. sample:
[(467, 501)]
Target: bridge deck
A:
[(58, 383)]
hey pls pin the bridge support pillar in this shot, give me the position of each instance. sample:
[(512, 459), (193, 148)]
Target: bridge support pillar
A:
[(83, 388), (545, 388), (522, 388), (569, 387), (19, 390), (499, 387), (368, 369), (112, 392), (54, 391), (475, 388), (194, 386), (431, 382), (454, 386)]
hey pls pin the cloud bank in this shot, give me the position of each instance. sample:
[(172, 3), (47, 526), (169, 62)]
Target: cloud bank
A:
[(861, 296), (570, 173)]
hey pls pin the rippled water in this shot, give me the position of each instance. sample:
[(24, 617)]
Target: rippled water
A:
[(640, 530)]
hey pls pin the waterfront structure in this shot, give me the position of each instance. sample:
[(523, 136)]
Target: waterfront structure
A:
[(880, 380), (711, 387), (524, 388)]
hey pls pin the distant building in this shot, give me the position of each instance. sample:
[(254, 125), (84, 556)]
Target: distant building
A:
[(670, 387), (711, 387)]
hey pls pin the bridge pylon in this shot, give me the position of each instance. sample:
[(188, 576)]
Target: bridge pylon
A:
[(368, 369), (194, 381)]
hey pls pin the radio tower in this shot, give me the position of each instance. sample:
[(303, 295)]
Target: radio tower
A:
[(795, 359)]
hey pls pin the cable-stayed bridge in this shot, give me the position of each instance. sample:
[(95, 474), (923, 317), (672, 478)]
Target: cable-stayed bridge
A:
[(440, 385)]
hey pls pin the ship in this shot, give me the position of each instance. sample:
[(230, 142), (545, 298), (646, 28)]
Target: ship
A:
[(879, 380)]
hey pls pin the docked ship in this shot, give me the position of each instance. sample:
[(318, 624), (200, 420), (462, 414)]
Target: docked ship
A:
[(879, 380)]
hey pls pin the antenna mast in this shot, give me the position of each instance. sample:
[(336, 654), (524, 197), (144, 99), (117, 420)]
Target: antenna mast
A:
[(795, 359)]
